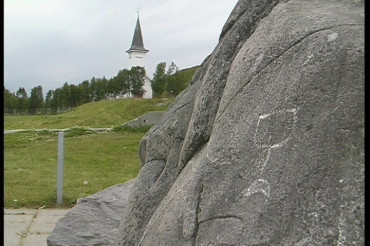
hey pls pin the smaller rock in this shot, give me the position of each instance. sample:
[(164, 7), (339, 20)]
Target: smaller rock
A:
[(94, 220), (148, 119)]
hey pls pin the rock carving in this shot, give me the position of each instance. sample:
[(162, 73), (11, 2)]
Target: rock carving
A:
[(254, 150), (260, 185), (266, 145)]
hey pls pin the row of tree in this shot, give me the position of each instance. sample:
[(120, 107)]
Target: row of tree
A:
[(127, 83), (20, 102)]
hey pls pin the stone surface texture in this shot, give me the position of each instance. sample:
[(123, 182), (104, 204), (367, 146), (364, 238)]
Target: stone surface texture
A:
[(266, 147), (94, 220), (148, 119)]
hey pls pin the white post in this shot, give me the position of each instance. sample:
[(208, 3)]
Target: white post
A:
[(60, 167)]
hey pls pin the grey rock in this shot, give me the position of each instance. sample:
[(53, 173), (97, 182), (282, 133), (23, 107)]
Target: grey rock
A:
[(266, 147), (94, 220), (148, 119)]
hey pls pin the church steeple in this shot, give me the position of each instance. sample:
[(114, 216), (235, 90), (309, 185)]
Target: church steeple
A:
[(137, 52), (137, 41), (136, 56)]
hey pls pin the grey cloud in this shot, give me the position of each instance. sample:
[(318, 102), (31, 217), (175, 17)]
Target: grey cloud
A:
[(49, 43)]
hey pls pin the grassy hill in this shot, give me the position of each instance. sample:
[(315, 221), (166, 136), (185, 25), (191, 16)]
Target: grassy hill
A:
[(93, 161), (97, 114)]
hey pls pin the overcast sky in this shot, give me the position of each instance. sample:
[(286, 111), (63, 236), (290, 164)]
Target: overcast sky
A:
[(50, 42)]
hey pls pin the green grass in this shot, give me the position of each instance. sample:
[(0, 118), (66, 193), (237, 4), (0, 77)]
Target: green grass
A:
[(101, 159), (97, 114)]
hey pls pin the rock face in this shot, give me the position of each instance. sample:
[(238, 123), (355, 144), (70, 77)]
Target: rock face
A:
[(94, 220), (266, 147)]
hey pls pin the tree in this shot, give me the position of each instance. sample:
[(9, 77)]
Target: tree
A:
[(57, 99), (111, 90), (180, 80), (10, 101), (36, 99), (168, 83), (158, 81), (49, 99), (75, 96), (121, 85), (86, 94), (172, 69), (65, 96), (23, 100), (136, 81), (98, 88)]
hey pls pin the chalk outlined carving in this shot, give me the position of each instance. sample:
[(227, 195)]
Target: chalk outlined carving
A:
[(259, 185), (273, 131)]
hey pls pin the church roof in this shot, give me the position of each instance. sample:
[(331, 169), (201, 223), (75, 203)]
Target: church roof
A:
[(137, 40)]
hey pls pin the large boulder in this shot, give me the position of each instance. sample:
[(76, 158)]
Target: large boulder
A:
[(266, 147)]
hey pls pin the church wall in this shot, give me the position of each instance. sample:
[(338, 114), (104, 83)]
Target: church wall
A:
[(148, 88), (137, 59)]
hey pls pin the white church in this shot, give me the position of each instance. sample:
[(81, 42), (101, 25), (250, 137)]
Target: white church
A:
[(136, 55)]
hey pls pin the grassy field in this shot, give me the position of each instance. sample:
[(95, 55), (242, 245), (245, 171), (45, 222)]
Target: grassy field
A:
[(93, 161), (96, 114)]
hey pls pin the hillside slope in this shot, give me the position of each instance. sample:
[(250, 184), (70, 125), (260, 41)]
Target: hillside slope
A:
[(95, 114)]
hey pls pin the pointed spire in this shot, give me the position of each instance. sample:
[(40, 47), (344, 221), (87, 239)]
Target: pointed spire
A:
[(137, 40)]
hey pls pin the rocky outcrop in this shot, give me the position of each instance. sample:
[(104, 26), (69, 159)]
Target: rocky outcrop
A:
[(266, 147), (94, 220), (148, 119)]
